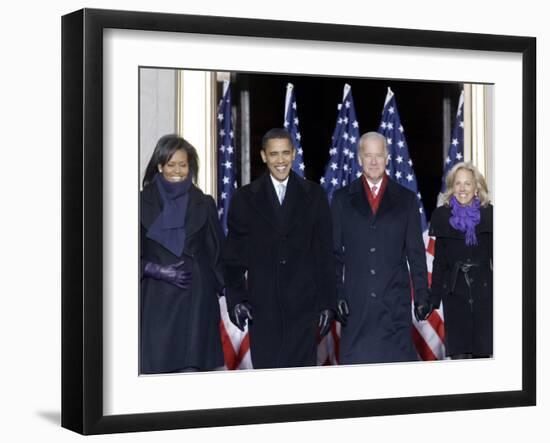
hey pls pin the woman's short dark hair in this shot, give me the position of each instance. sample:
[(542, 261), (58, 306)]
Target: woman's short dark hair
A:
[(164, 150), (276, 133)]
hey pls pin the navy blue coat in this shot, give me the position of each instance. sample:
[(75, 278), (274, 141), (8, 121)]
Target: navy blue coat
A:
[(372, 252), (468, 311), (180, 329), (286, 254)]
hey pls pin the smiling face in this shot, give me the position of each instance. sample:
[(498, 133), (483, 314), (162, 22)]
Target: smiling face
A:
[(278, 154), (176, 169), (464, 186), (373, 159)]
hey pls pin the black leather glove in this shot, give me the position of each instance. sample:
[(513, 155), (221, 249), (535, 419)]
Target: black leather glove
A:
[(342, 312), (240, 314), (326, 317), (170, 273), (422, 311)]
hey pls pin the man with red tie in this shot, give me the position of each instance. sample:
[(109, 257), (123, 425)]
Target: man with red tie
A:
[(380, 253)]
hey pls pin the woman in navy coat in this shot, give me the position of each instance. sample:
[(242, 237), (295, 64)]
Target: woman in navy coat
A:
[(462, 269), (180, 265)]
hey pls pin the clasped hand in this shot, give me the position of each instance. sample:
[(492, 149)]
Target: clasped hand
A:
[(169, 273), (240, 314)]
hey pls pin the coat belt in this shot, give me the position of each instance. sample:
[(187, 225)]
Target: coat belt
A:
[(465, 268)]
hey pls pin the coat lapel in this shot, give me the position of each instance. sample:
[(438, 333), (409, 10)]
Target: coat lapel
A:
[(295, 201), (388, 200), (262, 191), (359, 200), (196, 213)]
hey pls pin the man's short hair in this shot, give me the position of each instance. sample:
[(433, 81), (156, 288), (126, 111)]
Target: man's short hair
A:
[(276, 133), (373, 135)]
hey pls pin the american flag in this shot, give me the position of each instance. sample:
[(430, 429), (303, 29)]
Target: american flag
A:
[(226, 155), (342, 167), (291, 125), (455, 155), (235, 343), (341, 170), (428, 336), (400, 165), (456, 149)]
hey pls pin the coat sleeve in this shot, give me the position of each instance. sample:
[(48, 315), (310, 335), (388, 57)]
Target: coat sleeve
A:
[(235, 262), (326, 269), (142, 260), (143, 234), (338, 243), (439, 228), (416, 254), (214, 243), (440, 271)]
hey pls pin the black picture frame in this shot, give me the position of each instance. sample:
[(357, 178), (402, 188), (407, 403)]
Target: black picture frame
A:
[(82, 231)]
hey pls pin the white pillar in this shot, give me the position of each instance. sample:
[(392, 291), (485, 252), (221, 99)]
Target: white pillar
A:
[(196, 110)]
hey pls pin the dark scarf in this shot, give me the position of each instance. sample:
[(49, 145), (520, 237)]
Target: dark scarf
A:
[(465, 219), (169, 227)]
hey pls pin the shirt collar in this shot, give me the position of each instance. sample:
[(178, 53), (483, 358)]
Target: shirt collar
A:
[(378, 185), (276, 182)]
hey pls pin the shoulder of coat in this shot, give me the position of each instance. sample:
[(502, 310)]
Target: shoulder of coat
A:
[(197, 196), (149, 193), (400, 190), (253, 186), (486, 223), (440, 220)]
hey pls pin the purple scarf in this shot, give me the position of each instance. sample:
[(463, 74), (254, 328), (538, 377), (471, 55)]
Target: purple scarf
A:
[(169, 227), (465, 219)]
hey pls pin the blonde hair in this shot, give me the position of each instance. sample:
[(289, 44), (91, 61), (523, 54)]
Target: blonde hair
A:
[(482, 192)]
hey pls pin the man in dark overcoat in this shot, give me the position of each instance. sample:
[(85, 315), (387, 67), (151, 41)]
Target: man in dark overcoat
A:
[(380, 252), (279, 267)]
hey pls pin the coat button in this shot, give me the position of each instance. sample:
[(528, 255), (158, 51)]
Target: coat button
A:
[(282, 262), (373, 294), (372, 249), (373, 272)]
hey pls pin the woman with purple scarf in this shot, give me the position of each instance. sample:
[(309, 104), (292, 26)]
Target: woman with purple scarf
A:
[(462, 275), (180, 251)]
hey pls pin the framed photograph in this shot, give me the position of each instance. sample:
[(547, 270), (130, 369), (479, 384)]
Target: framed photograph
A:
[(114, 111)]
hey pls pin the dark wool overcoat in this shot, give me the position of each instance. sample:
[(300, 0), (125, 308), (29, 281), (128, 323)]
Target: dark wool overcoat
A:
[(279, 259), (372, 253), (180, 328), (468, 311)]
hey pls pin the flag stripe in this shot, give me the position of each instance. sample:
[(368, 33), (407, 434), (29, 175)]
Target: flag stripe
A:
[(243, 349), (227, 346), (424, 350), (436, 322)]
